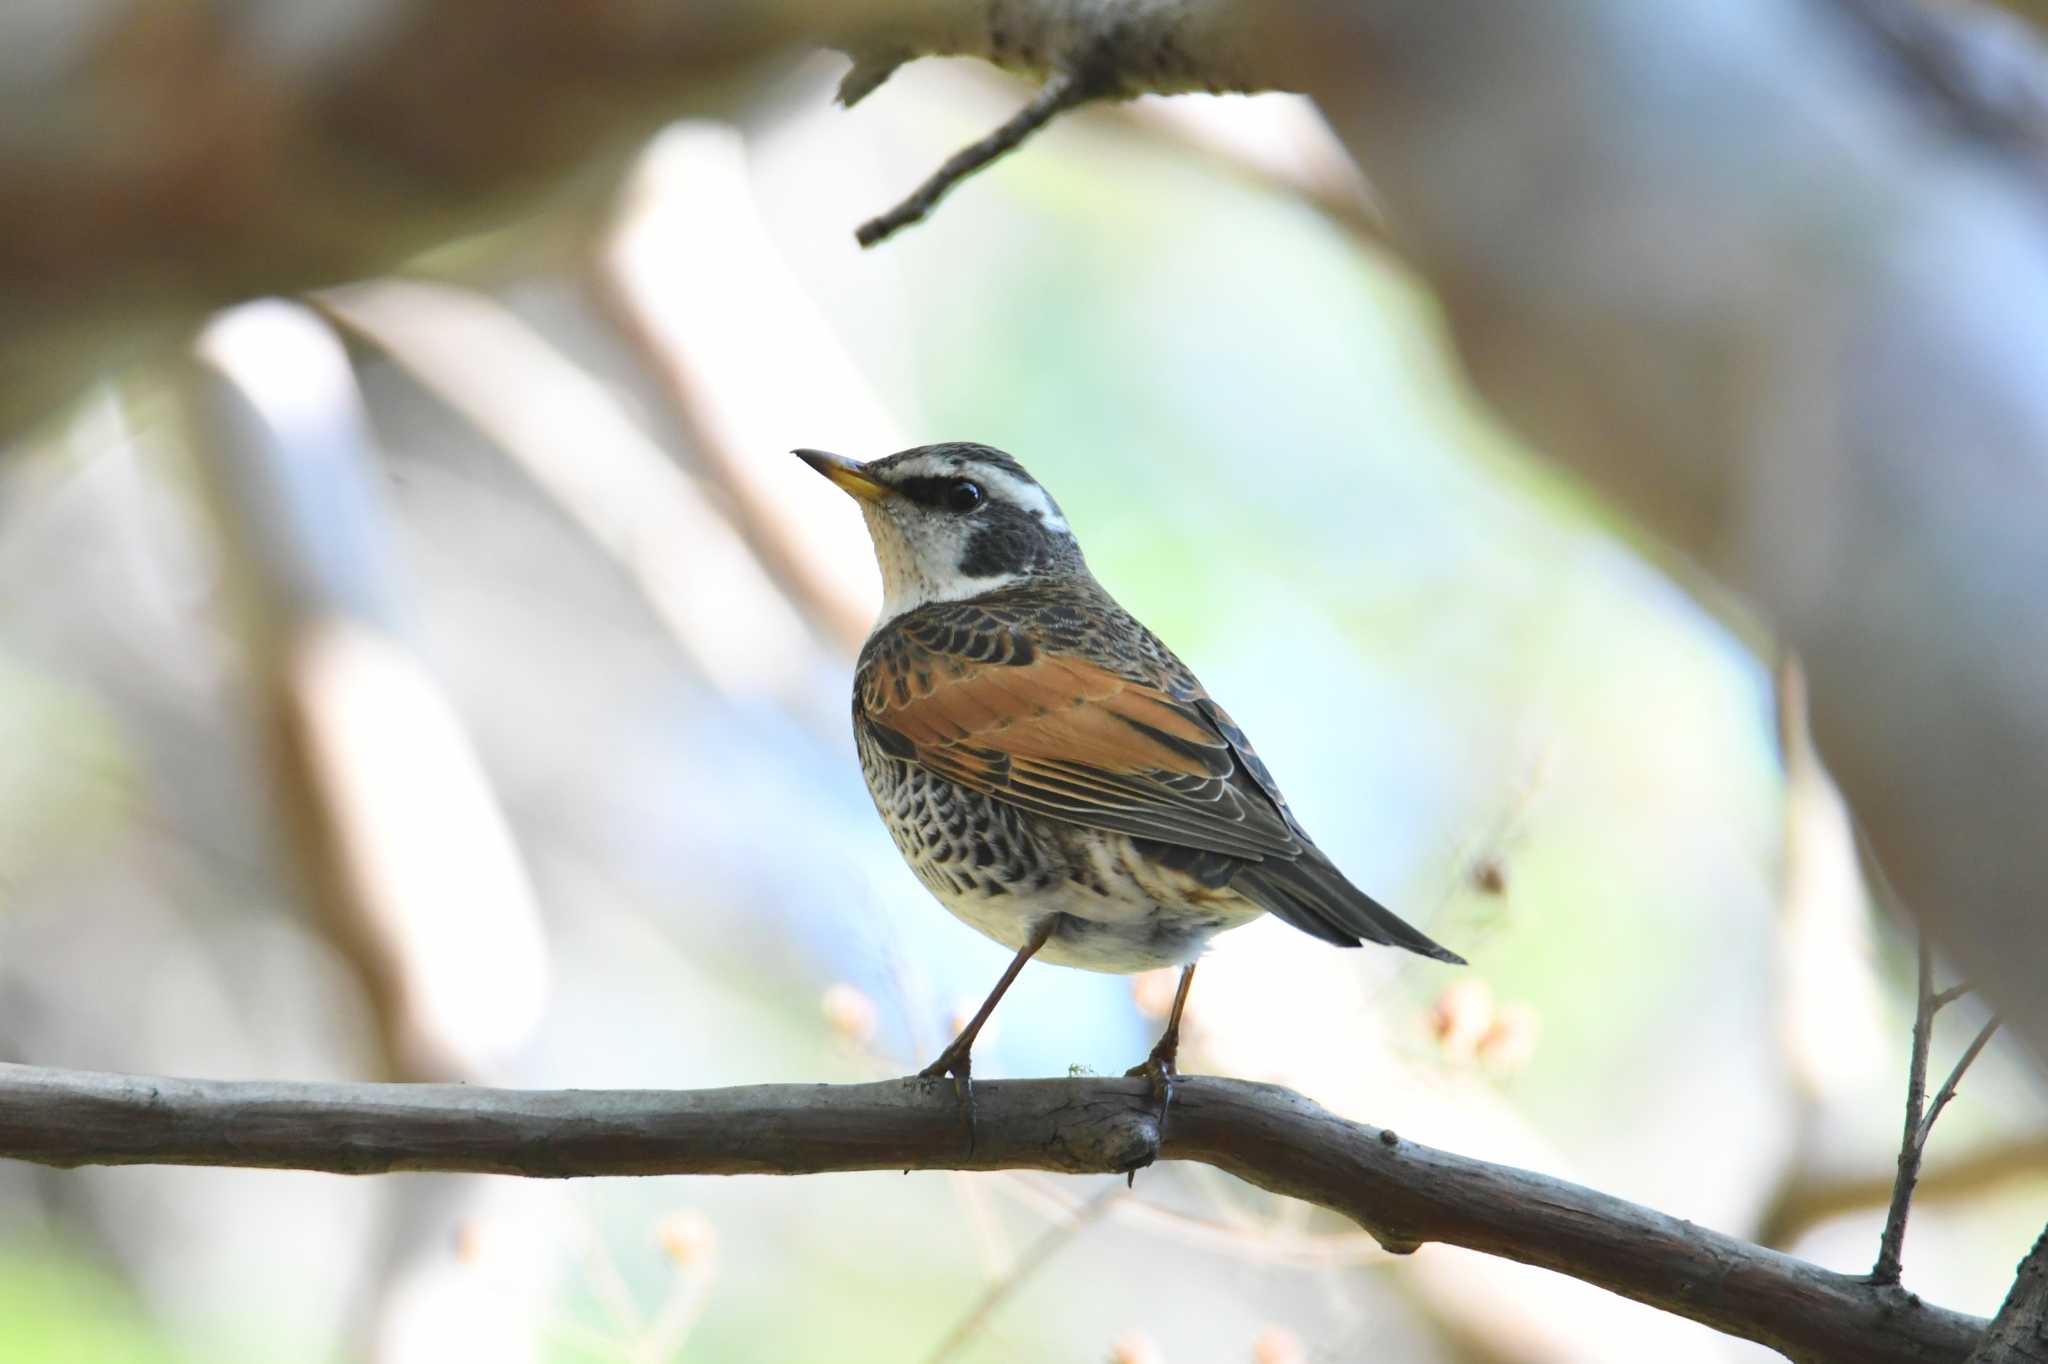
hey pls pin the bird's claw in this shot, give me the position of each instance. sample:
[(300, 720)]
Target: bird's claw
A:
[(950, 1062), (959, 1065), (1159, 1069)]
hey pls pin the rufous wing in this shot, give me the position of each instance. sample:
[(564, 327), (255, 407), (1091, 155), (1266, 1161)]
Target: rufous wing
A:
[(1065, 736)]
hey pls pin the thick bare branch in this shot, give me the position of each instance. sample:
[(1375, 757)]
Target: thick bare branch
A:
[(1405, 1194), (162, 161), (2019, 1333)]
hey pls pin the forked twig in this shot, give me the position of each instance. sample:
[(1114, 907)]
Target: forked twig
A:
[(1951, 995), (1920, 1114), (1955, 1076)]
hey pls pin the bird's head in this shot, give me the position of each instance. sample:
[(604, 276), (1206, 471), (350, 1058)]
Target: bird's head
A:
[(953, 521)]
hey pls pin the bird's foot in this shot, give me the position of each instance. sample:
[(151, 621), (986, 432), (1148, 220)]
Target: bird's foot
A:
[(1159, 1069), (957, 1062)]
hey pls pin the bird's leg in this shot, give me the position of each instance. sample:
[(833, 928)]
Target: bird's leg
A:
[(1159, 1065), (957, 1059)]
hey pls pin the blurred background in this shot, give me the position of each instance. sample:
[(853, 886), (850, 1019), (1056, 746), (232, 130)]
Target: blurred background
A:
[(447, 677)]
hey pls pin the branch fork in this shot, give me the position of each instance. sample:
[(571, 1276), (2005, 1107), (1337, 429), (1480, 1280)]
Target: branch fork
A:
[(1920, 1114)]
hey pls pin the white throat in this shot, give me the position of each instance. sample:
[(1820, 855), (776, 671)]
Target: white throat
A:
[(897, 599), (920, 553), (913, 576)]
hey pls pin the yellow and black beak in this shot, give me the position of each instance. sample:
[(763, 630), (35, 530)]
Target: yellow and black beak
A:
[(850, 474)]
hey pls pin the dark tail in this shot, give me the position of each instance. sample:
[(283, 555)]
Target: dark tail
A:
[(1313, 895)]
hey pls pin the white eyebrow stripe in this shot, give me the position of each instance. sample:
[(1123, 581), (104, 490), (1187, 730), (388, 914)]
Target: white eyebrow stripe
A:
[(924, 466), (1027, 495)]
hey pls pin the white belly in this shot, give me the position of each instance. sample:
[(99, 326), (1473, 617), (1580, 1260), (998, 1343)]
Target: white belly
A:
[(1128, 916)]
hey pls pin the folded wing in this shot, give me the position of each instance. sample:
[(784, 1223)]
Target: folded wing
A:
[(1140, 750)]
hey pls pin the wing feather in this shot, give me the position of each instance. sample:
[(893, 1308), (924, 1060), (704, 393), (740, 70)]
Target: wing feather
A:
[(1066, 736), (1039, 721)]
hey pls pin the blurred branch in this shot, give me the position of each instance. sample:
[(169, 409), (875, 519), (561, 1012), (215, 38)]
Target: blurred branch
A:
[(1983, 66), (1263, 1242), (749, 364), (1920, 1114), (1805, 1203), (1275, 143), (569, 434), (404, 849), (1830, 1010), (1034, 1259), (163, 160), (1403, 1193), (2019, 1333), (406, 852)]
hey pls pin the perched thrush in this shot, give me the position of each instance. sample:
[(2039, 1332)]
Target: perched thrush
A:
[(1051, 772)]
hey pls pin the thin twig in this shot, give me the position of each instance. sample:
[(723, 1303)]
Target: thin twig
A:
[(1042, 1250), (1955, 1077), (1889, 1245), (696, 287), (1953, 993), (1920, 1114), (1062, 91)]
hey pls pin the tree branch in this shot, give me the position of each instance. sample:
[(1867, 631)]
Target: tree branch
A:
[(1982, 66), (1403, 1193), (1912, 1144), (1955, 1077), (1920, 1114), (1061, 91), (2019, 1333)]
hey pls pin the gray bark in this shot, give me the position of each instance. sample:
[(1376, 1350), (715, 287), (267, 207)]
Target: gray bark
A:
[(1401, 1192), (2019, 1333)]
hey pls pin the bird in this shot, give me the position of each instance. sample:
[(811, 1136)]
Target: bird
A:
[(1053, 773)]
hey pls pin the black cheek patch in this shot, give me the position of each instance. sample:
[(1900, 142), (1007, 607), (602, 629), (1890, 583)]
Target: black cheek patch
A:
[(1009, 539), (996, 550)]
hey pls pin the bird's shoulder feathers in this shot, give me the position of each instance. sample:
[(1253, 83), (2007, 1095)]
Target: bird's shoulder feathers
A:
[(1048, 695)]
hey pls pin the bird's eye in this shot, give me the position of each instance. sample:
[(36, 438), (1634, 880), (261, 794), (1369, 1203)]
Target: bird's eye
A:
[(963, 496)]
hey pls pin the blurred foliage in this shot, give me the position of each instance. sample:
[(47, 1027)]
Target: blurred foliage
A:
[(57, 1309)]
